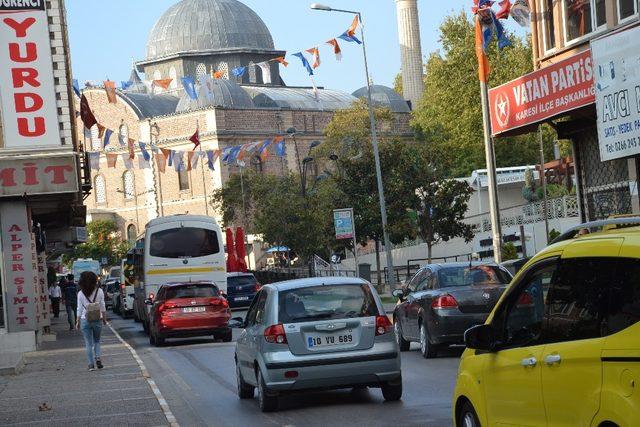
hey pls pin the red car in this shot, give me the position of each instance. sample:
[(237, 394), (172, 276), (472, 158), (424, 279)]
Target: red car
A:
[(192, 309)]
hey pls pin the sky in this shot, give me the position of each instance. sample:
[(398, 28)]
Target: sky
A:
[(106, 39)]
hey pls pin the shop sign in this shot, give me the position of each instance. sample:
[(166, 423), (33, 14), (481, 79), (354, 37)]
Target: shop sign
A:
[(616, 61), (343, 222), (29, 110), (545, 93), (38, 176), (18, 267)]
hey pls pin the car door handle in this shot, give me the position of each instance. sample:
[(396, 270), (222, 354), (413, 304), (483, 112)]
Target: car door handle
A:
[(529, 361), (552, 359)]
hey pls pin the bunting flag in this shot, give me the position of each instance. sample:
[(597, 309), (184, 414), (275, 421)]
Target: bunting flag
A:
[(76, 88), (281, 149), (336, 48), (218, 75), (168, 155), (281, 60), (178, 161), (132, 150), (211, 161), (483, 62), (86, 115), (234, 153), (154, 149), (126, 85), (503, 40), (107, 137), (207, 84), (112, 159), (316, 95), (305, 63), (505, 9), (266, 72), (121, 140), (316, 56), (190, 87), (161, 162), (128, 161), (143, 150), (239, 72), (263, 151), (87, 134), (193, 159), (143, 163), (110, 89), (521, 13), (354, 26), (101, 130), (94, 160), (195, 139), (351, 39), (163, 83)]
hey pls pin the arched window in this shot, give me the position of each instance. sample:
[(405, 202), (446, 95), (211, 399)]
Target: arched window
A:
[(96, 143), (201, 70), (252, 73), (131, 233), (183, 179), (123, 135), (128, 182), (174, 78), (100, 188), (223, 67), (157, 75)]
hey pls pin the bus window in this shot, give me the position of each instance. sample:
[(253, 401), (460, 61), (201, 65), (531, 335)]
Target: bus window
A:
[(184, 242)]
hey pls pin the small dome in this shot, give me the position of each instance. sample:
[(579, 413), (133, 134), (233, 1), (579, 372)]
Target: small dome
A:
[(199, 26), (383, 96), (224, 93)]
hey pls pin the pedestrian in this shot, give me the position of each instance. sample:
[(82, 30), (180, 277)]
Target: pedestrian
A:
[(91, 315), (70, 293), (55, 293)]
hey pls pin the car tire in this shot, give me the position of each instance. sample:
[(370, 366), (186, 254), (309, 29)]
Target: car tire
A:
[(225, 336), (467, 416), (402, 343), (135, 316), (267, 403), (428, 350), (152, 339), (145, 326), (245, 391), (392, 390)]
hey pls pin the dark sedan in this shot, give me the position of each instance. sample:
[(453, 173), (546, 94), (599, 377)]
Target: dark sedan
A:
[(442, 301)]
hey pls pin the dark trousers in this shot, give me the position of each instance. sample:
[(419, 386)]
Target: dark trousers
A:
[(55, 305), (71, 315)]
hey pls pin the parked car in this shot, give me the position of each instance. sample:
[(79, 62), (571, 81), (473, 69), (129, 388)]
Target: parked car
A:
[(127, 298), (316, 333), (111, 289), (189, 309), (515, 265), (241, 288), (561, 347), (442, 301)]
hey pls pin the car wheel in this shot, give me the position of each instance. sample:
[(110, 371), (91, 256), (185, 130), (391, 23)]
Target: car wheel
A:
[(245, 391), (145, 326), (468, 416), (267, 403), (135, 316), (427, 349), (392, 390), (225, 336), (160, 341), (152, 339), (402, 343)]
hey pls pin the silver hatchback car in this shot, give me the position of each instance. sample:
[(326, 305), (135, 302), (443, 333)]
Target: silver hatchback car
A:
[(317, 333)]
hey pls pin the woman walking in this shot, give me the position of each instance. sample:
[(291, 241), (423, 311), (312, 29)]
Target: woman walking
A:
[(91, 315)]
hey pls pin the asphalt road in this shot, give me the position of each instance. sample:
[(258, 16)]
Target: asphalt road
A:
[(197, 378)]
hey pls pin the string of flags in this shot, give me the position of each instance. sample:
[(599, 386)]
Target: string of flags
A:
[(490, 21)]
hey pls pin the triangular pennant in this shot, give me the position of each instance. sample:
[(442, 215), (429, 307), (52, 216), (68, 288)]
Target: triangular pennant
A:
[(161, 161), (281, 60), (336, 48), (195, 139), (94, 160), (305, 63), (266, 72), (110, 89), (86, 115), (316, 56), (163, 83), (112, 159), (143, 149), (128, 162), (143, 163), (132, 149), (190, 87), (107, 137)]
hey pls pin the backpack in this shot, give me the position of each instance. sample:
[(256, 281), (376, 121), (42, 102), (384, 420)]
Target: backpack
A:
[(93, 309)]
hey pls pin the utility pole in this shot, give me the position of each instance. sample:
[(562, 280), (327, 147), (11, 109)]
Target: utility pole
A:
[(543, 180)]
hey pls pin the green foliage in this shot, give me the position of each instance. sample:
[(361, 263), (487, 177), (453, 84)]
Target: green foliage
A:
[(509, 252), (553, 234), (553, 191), (449, 114), (104, 240)]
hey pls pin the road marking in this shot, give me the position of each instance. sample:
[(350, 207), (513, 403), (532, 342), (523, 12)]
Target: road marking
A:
[(145, 373)]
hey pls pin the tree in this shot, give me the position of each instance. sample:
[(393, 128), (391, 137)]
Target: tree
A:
[(509, 252), (104, 241), (449, 113)]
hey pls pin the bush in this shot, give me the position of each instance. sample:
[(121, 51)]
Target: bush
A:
[(509, 252)]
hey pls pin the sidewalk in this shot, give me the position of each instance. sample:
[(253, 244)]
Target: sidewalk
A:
[(55, 388)]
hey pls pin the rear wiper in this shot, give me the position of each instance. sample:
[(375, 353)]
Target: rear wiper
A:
[(313, 316)]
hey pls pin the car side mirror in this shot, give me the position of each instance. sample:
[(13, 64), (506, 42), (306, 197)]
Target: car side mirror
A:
[(480, 337), (148, 301), (398, 293), (237, 323)]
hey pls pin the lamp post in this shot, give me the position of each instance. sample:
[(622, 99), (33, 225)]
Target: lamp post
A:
[(374, 142)]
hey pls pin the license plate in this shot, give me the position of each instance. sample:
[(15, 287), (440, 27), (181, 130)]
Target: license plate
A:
[(242, 298), (315, 341), (193, 309)]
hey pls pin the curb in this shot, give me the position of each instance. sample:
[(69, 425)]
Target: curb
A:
[(145, 373)]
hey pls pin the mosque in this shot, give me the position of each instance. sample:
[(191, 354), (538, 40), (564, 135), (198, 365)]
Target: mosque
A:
[(199, 38)]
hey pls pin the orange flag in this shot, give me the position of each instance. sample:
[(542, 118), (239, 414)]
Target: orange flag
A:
[(163, 83), (161, 161), (218, 75), (336, 48), (166, 152), (316, 56), (484, 69), (354, 26), (112, 159), (281, 60), (132, 149), (101, 130), (110, 88)]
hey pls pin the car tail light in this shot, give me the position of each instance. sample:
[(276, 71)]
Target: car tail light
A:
[(444, 302), (383, 325), (122, 287), (291, 374), (166, 306), (258, 287), (275, 334), (216, 301), (525, 300)]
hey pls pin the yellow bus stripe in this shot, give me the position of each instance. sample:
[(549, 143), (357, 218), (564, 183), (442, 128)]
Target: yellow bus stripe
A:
[(185, 270)]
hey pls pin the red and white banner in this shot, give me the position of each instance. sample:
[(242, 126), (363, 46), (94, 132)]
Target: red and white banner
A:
[(545, 93), (29, 111)]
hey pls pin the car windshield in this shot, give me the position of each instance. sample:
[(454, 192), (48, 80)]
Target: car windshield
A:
[(192, 291), (472, 275), (241, 280), (185, 242), (326, 302)]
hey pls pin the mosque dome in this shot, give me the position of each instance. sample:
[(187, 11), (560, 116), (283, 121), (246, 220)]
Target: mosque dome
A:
[(207, 26), (384, 96)]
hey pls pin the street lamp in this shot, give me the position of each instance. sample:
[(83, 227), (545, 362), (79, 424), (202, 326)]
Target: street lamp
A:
[(374, 142)]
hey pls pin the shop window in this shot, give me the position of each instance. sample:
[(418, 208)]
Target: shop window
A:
[(183, 180), (100, 190), (129, 185), (626, 9), (548, 21), (131, 233), (583, 17)]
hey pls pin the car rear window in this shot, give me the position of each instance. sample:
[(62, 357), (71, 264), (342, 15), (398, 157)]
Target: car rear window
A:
[(241, 280), (192, 291), (185, 242), (472, 275), (326, 302)]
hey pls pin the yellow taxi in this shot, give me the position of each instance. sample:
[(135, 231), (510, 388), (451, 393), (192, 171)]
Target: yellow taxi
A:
[(562, 346)]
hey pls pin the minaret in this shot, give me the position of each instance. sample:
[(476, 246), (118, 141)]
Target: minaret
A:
[(410, 50)]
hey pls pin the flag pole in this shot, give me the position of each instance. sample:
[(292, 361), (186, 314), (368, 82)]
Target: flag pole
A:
[(204, 179)]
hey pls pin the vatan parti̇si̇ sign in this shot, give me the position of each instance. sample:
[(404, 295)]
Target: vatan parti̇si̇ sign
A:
[(617, 79)]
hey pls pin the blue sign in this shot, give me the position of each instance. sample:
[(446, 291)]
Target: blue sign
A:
[(343, 222)]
